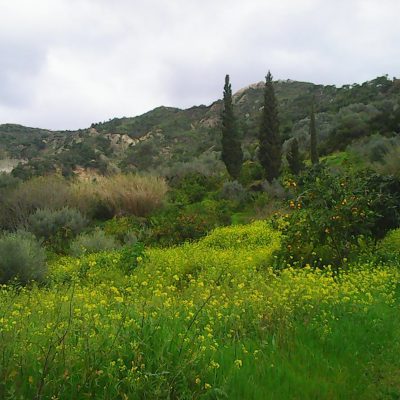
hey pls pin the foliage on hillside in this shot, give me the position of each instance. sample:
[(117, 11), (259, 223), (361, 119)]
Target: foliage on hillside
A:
[(165, 137), (151, 292)]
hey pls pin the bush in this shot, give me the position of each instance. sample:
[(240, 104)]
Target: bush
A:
[(131, 256), (22, 258), (192, 188), (274, 189), (127, 229), (48, 192), (85, 197), (390, 162), (251, 171), (8, 181), (333, 214), (56, 227), (235, 192), (389, 246), (175, 226), (207, 164), (94, 242)]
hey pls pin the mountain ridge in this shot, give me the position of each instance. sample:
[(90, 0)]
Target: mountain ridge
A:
[(165, 135)]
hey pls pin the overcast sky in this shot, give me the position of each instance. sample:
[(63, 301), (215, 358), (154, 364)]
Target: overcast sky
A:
[(67, 63)]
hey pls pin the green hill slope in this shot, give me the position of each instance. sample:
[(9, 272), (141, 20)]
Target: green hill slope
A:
[(167, 136)]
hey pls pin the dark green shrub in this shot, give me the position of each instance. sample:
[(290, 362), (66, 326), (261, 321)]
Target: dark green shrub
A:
[(251, 171), (21, 258), (192, 188), (389, 247), (384, 193), (56, 228), (93, 242), (131, 256), (177, 224), (127, 229)]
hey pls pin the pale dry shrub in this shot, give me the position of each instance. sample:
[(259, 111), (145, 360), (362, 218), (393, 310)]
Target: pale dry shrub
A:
[(84, 196), (131, 194), (45, 192)]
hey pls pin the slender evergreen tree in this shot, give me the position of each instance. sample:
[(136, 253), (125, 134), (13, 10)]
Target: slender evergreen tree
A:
[(293, 157), (232, 154), (270, 145), (313, 138)]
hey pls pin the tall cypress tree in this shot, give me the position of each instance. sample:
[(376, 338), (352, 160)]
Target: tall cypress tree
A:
[(270, 145), (232, 154), (313, 138), (293, 157)]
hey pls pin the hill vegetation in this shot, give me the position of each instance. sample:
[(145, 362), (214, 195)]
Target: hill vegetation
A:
[(166, 138), (134, 264)]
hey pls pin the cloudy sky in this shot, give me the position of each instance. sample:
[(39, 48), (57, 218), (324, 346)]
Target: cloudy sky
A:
[(67, 63)]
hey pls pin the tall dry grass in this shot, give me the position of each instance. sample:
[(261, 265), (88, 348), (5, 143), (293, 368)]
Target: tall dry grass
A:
[(131, 194), (103, 197), (45, 192), (118, 195)]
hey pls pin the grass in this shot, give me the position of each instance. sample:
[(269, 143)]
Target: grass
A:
[(206, 320), (120, 194)]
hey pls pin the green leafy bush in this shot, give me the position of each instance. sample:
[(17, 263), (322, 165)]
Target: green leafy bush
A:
[(192, 188), (93, 242), (251, 171), (175, 225), (131, 256), (174, 228), (389, 246), (124, 229), (22, 258), (332, 214)]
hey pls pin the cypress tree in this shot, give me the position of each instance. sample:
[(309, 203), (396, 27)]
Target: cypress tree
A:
[(313, 138), (270, 145), (293, 157), (232, 154)]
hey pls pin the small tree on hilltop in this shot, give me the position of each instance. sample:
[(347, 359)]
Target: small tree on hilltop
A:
[(293, 157), (270, 145), (313, 138), (232, 154)]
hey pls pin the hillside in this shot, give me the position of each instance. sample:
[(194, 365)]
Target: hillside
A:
[(166, 137)]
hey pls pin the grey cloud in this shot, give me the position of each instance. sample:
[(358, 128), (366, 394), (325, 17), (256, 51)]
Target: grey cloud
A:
[(67, 63)]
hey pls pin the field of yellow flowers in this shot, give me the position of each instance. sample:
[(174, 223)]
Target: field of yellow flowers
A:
[(205, 320)]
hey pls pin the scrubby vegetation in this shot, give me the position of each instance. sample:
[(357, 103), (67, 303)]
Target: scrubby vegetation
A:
[(196, 286), (22, 258), (176, 302)]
